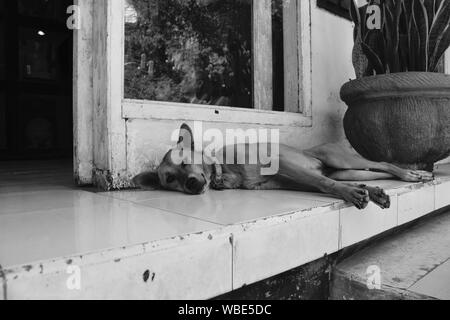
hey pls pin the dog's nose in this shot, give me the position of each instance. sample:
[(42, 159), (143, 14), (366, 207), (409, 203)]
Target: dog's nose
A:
[(194, 185)]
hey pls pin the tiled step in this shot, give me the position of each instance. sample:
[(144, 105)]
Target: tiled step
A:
[(414, 264), (156, 245)]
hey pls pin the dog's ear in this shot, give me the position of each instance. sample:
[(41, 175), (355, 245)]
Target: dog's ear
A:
[(186, 139), (147, 180)]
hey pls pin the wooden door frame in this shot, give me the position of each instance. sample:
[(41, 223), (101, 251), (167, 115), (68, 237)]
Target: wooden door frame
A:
[(83, 94), (99, 128)]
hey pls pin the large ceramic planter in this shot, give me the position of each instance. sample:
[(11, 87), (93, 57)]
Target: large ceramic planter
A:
[(401, 118)]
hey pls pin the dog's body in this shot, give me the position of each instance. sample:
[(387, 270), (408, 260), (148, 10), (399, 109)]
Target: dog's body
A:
[(321, 169)]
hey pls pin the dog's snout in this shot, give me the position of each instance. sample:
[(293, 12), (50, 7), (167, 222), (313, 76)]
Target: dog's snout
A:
[(194, 185)]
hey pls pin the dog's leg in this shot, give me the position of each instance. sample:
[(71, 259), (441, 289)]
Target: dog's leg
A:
[(379, 197), (359, 175), (344, 158), (299, 168), (376, 194)]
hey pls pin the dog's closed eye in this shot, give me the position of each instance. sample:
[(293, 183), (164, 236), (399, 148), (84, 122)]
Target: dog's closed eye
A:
[(170, 179), (147, 180)]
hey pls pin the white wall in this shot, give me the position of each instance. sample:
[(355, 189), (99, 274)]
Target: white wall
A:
[(332, 43), (447, 71)]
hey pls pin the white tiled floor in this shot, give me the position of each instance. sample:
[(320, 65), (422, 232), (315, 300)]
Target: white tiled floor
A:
[(357, 226), (49, 224), (188, 270), (44, 218), (262, 252), (412, 206), (231, 207), (63, 223), (436, 284)]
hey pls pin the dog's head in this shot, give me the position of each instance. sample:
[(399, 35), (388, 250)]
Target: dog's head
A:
[(178, 170)]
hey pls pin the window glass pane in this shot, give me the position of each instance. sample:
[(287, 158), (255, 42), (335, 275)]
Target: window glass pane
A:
[(40, 57), (2, 40), (2, 50), (44, 9), (2, 121), (278, 53), (2, 77), (191, 51)]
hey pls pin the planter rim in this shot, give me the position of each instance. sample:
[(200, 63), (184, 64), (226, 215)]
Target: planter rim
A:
[(395, 85)]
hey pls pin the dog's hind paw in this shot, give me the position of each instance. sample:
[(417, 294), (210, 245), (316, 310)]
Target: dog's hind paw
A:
[(415, 175)]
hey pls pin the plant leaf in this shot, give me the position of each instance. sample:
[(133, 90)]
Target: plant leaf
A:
[(440, 23), (374, 59), (443, 45), (421, 16), (356, 17)]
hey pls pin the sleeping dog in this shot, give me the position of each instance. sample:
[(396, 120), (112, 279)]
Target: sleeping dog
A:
[(327, 168)]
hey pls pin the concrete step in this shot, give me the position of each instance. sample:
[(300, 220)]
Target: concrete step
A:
[(413, 264)]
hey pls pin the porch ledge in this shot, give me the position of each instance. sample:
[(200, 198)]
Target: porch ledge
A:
[(279, 236)]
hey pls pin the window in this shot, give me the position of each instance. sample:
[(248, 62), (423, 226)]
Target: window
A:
[(2, 78), (222, 53), (338, 7)]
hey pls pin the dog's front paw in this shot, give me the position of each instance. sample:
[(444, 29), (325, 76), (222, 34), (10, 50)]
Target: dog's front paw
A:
[(379, 197), (357, 195)]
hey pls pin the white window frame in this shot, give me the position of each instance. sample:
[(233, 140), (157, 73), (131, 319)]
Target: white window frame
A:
[(447, 61), (101, 112), (298, 76)]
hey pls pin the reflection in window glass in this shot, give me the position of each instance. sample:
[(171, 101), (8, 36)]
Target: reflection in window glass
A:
[(2, 51), (191, 51), (2, 122), (2, 77), (278, 55), (44, 9)]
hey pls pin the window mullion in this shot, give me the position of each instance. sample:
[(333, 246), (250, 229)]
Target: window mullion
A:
[(262, 55), (291, 56)]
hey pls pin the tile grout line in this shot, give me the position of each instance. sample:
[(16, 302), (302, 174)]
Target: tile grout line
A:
[(323, 204), (186, 216), (434, 196), (232, 260), (165, 210), (340, 241), (331, 202), (398, 210), (431, 271)]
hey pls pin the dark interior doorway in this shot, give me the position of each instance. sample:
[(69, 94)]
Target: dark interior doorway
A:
[(35, 80)]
